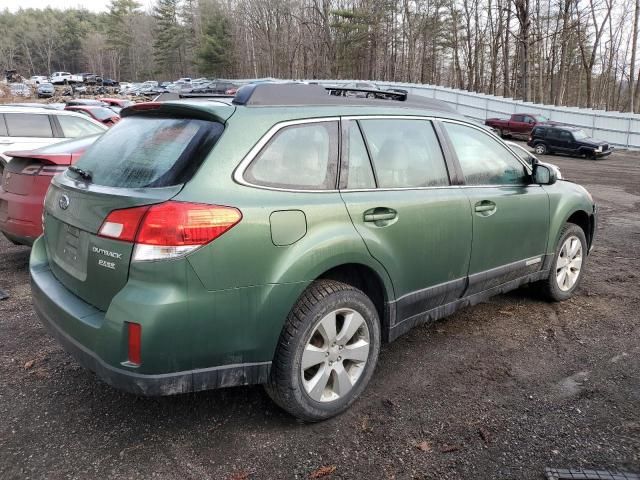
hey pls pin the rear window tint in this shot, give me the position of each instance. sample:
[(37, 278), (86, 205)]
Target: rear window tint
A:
[(144, 151), (28, 125)]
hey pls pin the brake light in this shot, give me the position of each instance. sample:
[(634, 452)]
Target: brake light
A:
[(170, 229), (134, 333)]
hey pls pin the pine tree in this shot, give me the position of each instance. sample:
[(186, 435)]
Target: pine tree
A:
[(169, 45), (215, 52)]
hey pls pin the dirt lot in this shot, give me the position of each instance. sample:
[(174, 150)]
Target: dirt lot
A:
[(498, 391)]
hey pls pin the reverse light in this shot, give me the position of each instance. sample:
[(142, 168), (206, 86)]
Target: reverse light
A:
[(170, 229)]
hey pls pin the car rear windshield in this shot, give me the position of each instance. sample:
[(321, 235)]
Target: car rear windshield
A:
[(143, 151)]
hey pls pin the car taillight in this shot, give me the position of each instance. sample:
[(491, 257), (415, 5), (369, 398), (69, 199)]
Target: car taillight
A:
[(170, 229)]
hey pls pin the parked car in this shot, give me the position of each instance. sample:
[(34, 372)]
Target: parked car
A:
[(518, 125), (59, 78), (102, 114), (530, 158), (110, 82), (367, 90), (37, 80), (86, 101), (117, 104), (20, 89), (214, 88), (28, 128), (25, 181), (207, 244), (45, 90), (567, 140)]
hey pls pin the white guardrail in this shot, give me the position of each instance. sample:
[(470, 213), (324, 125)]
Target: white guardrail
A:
[(618, 128)]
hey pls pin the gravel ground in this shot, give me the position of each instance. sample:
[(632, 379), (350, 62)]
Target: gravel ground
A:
[(498, 391)]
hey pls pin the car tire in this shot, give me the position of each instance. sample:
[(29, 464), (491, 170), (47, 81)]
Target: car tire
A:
[(541, 149), (568, 264), (318, 370), (371, 95)]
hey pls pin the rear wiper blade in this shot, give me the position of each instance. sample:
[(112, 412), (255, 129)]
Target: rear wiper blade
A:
[(83, 173)]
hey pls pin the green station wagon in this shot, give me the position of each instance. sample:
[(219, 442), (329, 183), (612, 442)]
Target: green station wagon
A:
[(281, 237)]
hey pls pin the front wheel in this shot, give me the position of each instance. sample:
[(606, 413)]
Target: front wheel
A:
[(327, 351), (567, 266), (541, 149)]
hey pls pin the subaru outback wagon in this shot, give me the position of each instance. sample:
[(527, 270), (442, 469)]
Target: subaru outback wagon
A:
[(282, 237)]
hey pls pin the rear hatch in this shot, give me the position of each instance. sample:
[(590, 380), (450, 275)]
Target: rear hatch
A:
[(144, 160)]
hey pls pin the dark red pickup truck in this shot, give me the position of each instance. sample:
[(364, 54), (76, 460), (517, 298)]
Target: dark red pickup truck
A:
[(520, 124)]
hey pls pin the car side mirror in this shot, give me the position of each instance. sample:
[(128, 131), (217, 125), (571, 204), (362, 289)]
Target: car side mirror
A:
[(543, 174)]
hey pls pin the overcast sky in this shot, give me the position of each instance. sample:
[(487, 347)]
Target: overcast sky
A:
[(93, 5)]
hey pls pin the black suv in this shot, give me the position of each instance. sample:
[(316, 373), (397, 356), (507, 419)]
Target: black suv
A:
[(567, 140)]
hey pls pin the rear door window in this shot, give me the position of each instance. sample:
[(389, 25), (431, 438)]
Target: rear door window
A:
[(28, 125), (298, 157), (3, 128), (73, 127), (143, 151), (405, 153)]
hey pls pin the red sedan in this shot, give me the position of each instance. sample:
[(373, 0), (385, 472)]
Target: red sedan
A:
[(25, 181), (101, 114)]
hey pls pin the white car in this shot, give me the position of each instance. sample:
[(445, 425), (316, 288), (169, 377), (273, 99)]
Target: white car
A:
[(27, 128), (58, 78), (37, 80), (529, 157)]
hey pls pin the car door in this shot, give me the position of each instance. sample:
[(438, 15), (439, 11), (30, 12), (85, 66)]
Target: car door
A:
[(559, 140), (510, 215), (516, 125), (27, 131), (395, 184)]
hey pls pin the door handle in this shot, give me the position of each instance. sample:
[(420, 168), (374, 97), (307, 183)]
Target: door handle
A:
[(485, 207), (379, 214)]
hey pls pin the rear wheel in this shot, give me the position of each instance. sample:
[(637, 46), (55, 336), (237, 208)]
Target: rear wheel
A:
[(327, 351), (541, 149), (567, 266)]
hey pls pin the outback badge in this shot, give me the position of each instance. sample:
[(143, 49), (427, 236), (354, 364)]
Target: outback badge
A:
[(63, 202)]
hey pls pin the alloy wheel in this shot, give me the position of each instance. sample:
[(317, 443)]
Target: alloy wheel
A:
[(335, 355), (569, 263)]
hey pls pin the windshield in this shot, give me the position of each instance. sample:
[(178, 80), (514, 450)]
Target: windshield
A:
[(579, 135), (144, 151), (540, 118)]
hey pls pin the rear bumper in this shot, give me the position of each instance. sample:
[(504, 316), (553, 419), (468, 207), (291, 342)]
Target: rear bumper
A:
[(82, 329), (20, 217)]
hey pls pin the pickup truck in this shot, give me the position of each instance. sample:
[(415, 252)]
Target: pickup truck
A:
[(520, 124), (59, 78)]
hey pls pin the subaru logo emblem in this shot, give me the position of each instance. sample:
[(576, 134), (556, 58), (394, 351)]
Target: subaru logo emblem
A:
[(64, 201)]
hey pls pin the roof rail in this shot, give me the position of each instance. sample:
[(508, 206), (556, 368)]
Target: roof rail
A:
[(299, 94)]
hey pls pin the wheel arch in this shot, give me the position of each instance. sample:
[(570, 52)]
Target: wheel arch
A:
[(577, 216), (370, 282), (585, 222)]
